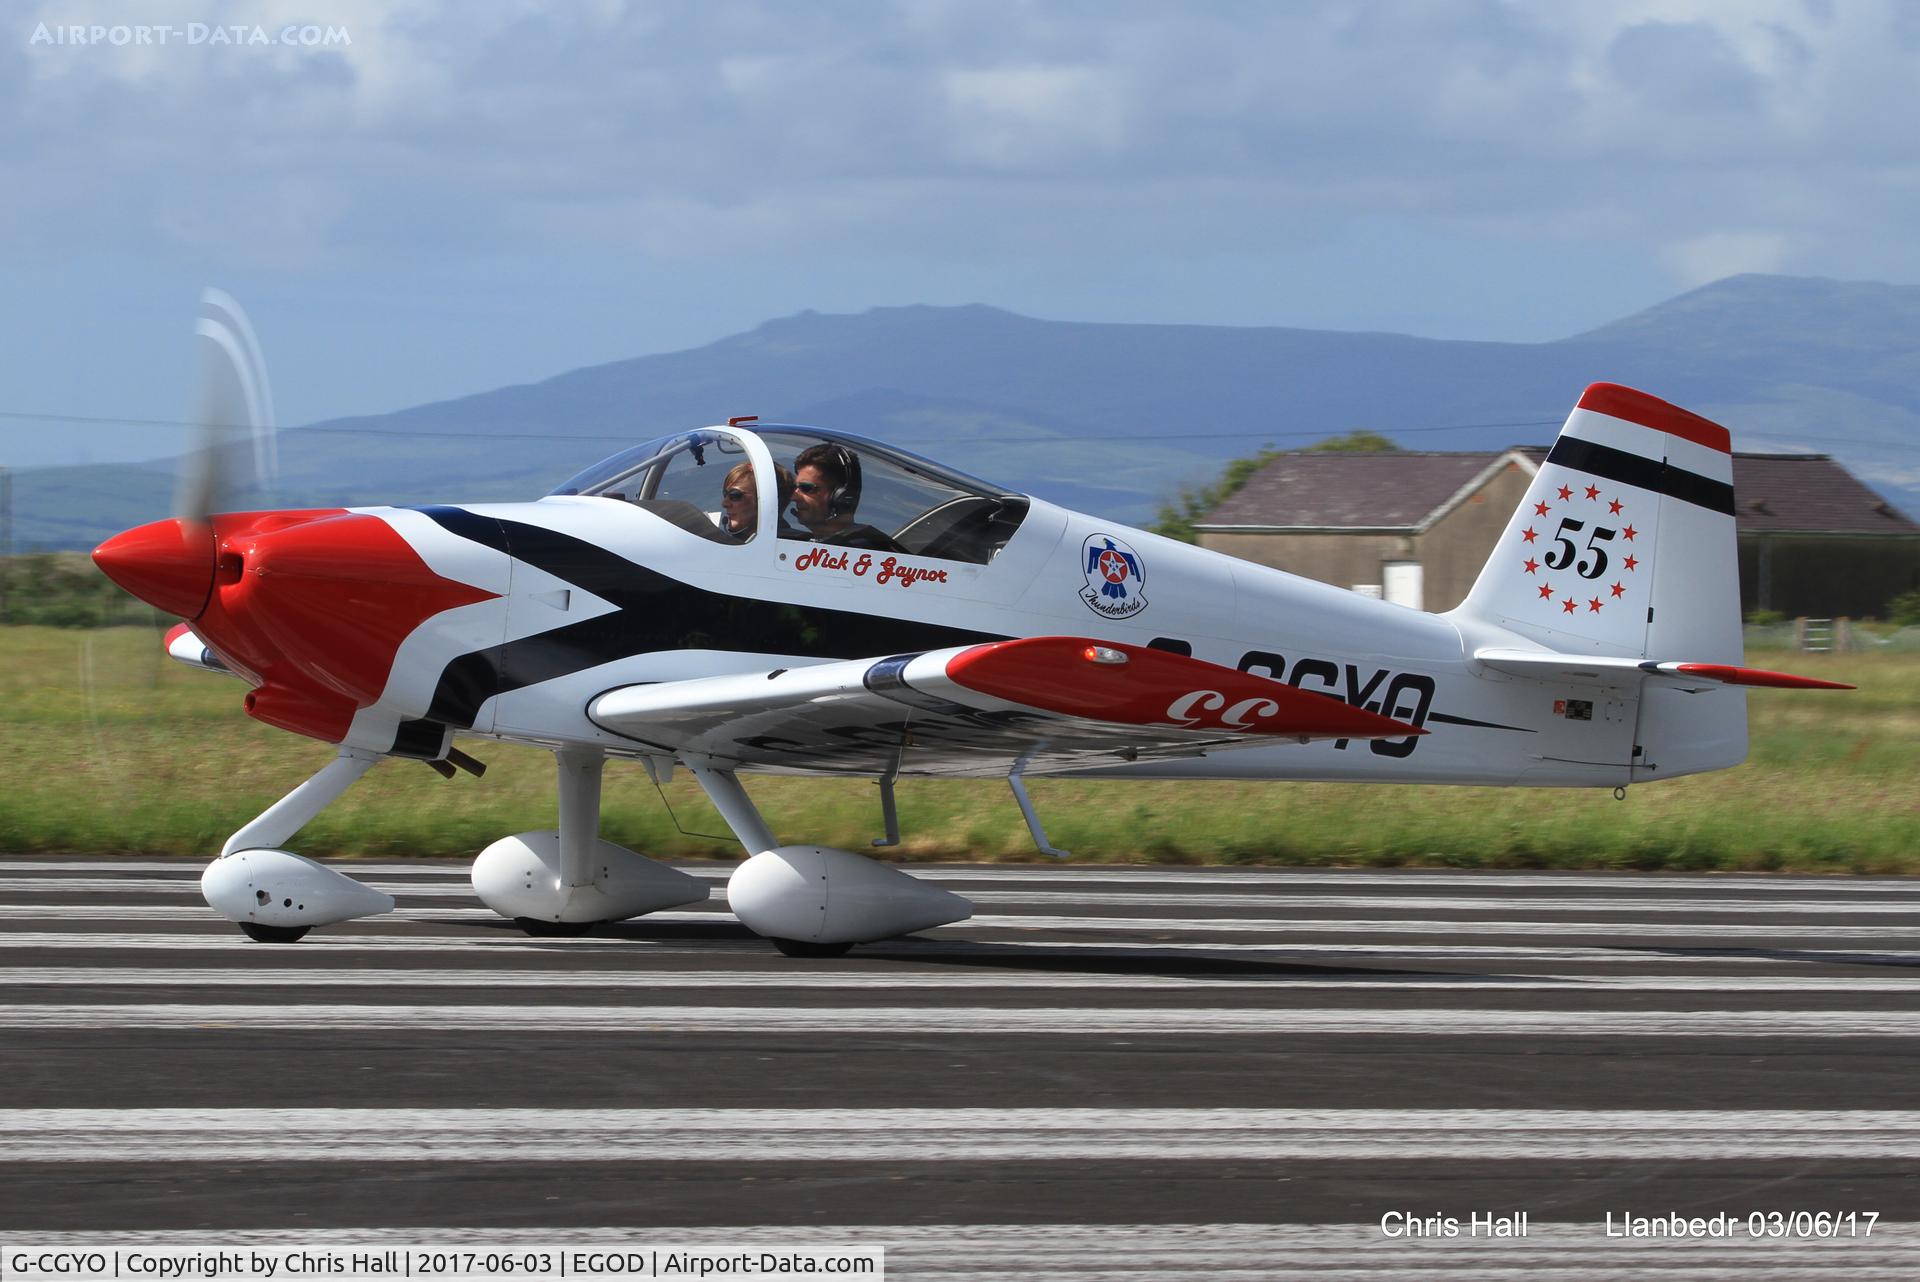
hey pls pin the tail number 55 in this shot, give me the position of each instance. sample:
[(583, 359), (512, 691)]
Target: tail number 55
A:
[(1594, 563)]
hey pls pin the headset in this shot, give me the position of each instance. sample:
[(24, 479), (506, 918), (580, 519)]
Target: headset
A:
[(845, 497)]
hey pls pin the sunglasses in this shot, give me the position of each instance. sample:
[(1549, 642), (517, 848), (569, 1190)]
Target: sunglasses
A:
[(734, 496), (808, 487)]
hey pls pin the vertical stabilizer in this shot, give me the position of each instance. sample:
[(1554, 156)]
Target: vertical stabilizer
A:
[(1624, 544)]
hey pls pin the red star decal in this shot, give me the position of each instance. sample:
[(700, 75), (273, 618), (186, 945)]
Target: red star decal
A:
[(1618, 590), (1566, 492), (1546, 591), (1528, 534), (1568, 606), (1593, 606), (1632, 561), (1629, 532), (1540, 509), (1532, 565), (1613, 508), (1593, 493)]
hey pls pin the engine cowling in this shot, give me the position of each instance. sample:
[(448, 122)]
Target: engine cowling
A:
[(818, 894), (282, 889), (519, 876)]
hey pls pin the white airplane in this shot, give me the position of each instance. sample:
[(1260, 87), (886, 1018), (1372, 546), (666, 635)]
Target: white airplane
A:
[(683, 604)]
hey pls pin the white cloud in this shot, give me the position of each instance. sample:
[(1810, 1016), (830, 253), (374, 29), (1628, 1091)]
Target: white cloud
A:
[(731, 126), (1017, 118), (1701, 259)]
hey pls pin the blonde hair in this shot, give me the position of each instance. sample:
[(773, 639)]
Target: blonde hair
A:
[(782, 479)]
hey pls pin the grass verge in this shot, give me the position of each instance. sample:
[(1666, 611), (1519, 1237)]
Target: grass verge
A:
[(106, 747)]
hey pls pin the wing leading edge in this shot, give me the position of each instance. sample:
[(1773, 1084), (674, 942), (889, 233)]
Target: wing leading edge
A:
[(1047, 703)]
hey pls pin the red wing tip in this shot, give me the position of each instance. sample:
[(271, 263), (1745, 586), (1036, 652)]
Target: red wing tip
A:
[(1635, 406), (1738, 676)]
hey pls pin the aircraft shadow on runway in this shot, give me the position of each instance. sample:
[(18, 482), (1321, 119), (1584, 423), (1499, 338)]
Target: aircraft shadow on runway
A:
[(1144, 960), (1907, 961)]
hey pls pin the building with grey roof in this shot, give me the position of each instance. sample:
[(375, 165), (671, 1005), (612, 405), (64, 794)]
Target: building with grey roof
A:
[(1416, 527)]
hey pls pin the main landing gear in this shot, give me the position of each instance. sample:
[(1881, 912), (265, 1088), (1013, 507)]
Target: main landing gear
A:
[(566, 880), (810, 901), (817, 901)]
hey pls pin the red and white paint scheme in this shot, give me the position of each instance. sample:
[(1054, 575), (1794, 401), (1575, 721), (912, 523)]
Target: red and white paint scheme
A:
[(930, 624)]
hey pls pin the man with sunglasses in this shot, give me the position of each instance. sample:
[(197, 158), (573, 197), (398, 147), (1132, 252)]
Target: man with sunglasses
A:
[(826, 491)]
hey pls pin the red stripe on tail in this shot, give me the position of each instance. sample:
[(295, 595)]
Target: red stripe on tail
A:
[(1634, 406)]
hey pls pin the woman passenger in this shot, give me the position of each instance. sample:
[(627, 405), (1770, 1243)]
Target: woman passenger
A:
[(740, 499)]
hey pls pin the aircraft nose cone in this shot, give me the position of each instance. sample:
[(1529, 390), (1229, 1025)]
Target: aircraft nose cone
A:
[(168, 564)]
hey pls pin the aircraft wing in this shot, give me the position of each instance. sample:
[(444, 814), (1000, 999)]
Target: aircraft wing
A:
[(1607, 670), (1047, 703)]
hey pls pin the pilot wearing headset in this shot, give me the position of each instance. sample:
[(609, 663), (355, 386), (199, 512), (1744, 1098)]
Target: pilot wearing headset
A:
[(826, 491)]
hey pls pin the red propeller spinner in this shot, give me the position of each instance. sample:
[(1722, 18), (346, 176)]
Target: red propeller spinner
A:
[(168, 564)]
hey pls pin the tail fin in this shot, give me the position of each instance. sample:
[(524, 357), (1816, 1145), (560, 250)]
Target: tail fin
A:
[(1624, 544)]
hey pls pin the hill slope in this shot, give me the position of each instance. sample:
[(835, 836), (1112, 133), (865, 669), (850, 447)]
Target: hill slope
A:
[(1111, 418)]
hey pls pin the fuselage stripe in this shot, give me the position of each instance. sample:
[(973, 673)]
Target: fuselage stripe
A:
[(653, 612)]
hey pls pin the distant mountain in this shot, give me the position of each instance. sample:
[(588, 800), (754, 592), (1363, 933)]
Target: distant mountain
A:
[(1109, 418)]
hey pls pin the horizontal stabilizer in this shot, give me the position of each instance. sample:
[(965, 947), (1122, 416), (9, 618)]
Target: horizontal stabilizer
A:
[(1588, 669), (1728, 674)]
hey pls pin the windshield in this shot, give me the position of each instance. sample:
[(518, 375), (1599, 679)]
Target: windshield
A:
[(684, 479), (639, 472), (836, 489)]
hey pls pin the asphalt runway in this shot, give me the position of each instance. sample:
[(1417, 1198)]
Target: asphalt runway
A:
[(1138, 1073)]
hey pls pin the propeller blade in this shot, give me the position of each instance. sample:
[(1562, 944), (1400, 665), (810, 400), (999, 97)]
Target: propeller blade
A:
[(234, 406)]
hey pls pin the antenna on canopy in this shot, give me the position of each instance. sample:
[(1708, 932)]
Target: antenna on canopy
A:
[(743, 418)]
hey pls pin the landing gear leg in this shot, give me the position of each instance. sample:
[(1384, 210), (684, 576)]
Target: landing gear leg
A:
[(274, 895), (279, 822), (580, 774), (735, 806)]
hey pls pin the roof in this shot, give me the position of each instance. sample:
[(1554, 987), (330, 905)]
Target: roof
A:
[(1407, 491), (1332, 490), (1809, 494)]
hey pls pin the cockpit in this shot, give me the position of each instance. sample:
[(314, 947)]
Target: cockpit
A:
[(729, 485)]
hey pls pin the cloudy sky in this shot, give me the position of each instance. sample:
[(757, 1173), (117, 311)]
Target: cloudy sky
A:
[(463, 195)]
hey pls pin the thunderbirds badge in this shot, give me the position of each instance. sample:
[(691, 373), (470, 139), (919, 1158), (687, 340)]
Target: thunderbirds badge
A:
[(1115, 578)]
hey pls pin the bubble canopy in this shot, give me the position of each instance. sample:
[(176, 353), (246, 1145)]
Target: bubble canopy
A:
[(911, 504)]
